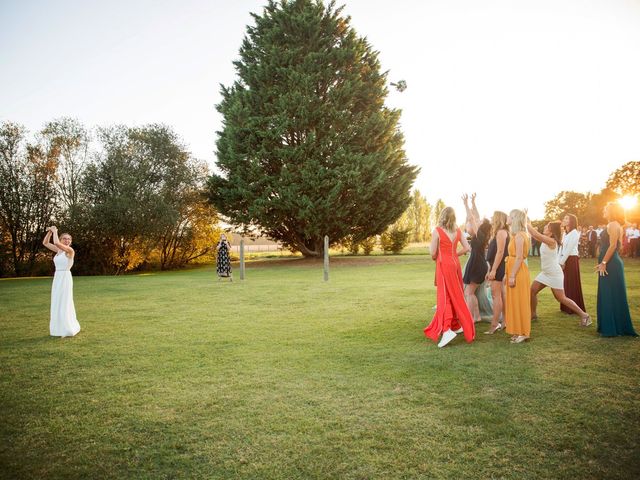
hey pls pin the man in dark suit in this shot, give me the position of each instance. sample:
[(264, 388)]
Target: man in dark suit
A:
[(592, 238)]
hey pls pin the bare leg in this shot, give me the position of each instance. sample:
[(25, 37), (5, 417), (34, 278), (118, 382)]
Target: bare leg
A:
[(567, 302), (536, 287), (472, 301), (498, 304)]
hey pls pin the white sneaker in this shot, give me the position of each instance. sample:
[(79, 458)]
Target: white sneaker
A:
[(458, 330), (446, 338)]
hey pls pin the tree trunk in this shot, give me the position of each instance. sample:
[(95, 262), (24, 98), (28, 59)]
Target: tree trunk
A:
[(313, 252)]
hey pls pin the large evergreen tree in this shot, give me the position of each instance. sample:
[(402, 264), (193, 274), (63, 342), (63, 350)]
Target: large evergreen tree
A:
[(308, 147)]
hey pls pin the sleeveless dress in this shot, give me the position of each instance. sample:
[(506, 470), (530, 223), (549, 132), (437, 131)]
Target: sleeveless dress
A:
[(223, 263), (492, 251), (476, 268), (551, 273), (63, 321), (614, 317), (572, 281), (517, 308), (451, 309)]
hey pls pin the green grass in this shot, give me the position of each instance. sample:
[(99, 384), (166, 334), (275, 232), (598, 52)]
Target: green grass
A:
[(283, 376)]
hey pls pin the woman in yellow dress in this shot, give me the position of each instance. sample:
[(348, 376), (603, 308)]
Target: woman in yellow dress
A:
[(517, 309)]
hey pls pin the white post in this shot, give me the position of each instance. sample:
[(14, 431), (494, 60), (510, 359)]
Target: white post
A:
[(326, 258), (242, 259)]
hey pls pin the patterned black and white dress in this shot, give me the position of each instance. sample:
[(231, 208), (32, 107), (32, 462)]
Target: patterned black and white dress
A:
[(223, 264)]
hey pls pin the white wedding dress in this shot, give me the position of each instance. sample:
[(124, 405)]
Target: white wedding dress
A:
[(63, 321)]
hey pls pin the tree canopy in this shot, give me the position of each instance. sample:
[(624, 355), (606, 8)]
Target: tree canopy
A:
[(308, 147)]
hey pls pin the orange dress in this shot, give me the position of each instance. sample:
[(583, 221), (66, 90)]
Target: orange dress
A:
[(517, 308), (451, 309)]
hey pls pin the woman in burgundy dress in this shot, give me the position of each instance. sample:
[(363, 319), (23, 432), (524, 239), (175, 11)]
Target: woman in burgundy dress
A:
[(452, 314), (570, 262)]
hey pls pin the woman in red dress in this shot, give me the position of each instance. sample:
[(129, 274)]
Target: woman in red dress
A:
[(452, 314)]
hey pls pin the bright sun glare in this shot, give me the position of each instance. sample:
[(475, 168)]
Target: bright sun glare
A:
[(628, 201)]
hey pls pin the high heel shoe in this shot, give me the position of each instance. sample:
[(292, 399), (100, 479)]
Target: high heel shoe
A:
[(491, 331), (520, 339), (586, 321)]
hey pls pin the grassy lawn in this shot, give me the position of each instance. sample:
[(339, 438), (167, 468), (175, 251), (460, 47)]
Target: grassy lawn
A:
[(283, 376)]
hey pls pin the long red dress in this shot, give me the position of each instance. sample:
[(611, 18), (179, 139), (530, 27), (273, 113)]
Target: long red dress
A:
[(451, 310)]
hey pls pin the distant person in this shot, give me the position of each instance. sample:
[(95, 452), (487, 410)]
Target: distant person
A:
[(599, 231), (583, 243), (634, 241), (570, 262), (496, 254), (551, 274), (614, 317), (535, 247), (626, 240), (63, 321), (592, 239), (452, 314), (517, 311), (476, 269), (223, 261)]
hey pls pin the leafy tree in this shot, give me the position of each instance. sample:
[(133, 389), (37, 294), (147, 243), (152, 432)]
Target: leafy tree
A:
[(368, 244), (437, 210), (394, 239), (27, 176), (71, 141), (192, 236), (308, 147), (593, 213), (134, 189), (419, 213), (626, 179), (567, 202)]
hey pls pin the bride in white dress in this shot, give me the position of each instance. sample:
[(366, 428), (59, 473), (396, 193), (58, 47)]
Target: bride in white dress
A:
[(552, 275), (63, 322)]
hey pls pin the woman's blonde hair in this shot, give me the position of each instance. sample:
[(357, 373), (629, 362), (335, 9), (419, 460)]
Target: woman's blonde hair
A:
[(518, 221), (498, 222), (447, 219)]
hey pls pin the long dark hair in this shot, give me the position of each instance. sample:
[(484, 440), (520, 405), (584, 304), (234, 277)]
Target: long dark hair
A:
[(484, 232), (556, 231), (573, 222)]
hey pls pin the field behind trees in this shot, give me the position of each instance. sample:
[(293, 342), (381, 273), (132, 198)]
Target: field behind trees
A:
[(175, 375)]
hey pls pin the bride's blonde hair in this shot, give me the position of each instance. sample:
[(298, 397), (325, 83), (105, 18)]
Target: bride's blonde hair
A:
[(447, 219)]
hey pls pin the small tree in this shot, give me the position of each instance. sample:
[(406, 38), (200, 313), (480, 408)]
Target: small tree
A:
[(394, 240), (368, 244)]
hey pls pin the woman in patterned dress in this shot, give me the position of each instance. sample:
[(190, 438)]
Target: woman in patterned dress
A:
[(223, 264)]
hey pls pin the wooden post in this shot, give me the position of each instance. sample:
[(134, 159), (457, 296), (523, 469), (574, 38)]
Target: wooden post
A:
[(326, 258), (242, 259)]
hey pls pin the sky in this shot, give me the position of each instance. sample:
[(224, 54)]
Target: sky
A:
[(514, 100)]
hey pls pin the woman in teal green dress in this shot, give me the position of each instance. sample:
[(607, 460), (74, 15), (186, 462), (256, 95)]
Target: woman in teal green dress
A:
[(613, 309)]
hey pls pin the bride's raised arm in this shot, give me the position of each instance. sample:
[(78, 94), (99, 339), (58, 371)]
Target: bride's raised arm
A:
[(47, 241)]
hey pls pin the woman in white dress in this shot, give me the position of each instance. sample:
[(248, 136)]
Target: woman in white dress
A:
[(551, 274), (63, 322)]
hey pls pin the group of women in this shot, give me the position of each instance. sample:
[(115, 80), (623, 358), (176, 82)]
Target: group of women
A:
[(498, 255)]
